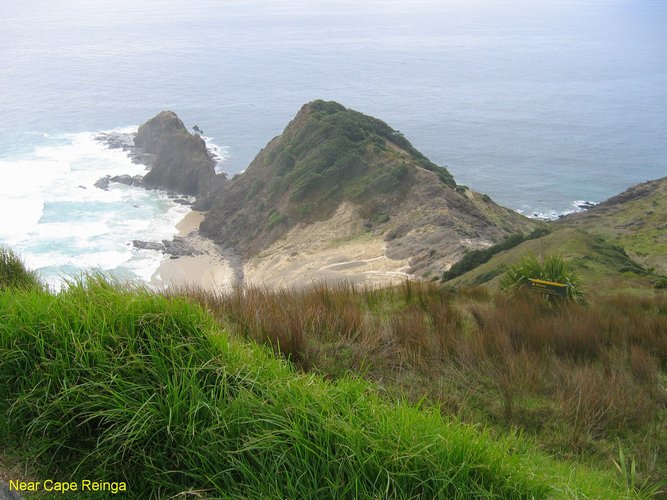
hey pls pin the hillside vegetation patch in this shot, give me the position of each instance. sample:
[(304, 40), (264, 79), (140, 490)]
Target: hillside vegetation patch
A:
[(124, 385)]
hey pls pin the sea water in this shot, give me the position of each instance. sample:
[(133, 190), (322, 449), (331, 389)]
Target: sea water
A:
[(62, 224), (538, 104)]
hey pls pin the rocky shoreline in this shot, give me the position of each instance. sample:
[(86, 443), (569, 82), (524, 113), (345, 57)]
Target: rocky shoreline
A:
[(189, 258), (196, 260)]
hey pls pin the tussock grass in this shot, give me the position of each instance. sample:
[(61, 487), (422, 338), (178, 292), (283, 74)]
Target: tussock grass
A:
[(576, 378), (13, 273), (113, 382), (119, 383)]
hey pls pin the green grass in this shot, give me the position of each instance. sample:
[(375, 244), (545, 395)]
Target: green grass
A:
[(13, 274), (637, 224), (117, 383), (476, 258), (573, 379), (602, 266)]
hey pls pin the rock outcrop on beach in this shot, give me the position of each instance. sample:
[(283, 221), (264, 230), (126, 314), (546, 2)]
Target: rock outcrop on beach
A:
[(178, 246), (181, 161), (342, 191)]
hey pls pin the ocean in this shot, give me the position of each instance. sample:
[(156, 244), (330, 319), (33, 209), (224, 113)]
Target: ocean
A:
[(538, 104)]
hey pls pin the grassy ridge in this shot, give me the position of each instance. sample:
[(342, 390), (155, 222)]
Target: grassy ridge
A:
[(601, 265), (476, 258), (121, 384)]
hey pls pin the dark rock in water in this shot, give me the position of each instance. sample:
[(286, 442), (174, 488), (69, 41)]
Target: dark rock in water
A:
[(126, 179), (122, 179), (585, 205), (8, 494), (125, 141), (148, 245), (182, 162), (180, 247), (103, 182), (117, 140), (182, 201)]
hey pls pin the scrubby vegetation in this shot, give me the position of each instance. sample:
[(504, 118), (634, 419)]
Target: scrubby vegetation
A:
[(475, 258), (577, 379), (115, 382), (552, 269), (336, 154)]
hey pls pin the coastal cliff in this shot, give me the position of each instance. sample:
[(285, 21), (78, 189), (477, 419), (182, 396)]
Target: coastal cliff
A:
[(182, 163)]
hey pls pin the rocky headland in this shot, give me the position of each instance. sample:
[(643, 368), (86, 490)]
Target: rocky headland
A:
[(177, 161), (182, 161), (635, 220), (340, 195)]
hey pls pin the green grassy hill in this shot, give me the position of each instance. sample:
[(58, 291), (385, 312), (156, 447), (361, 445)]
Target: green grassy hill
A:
[(603, 267), (117, 383), (618, 245), (635, 220)]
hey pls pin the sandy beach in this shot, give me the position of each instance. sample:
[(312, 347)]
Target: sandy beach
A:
[(212, 270), (305, 256)]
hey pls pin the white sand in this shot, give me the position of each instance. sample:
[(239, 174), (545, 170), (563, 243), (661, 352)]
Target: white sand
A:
[(212, 270)]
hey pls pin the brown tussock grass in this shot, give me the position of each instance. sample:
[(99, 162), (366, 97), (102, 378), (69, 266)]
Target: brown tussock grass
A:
[(575, 374)]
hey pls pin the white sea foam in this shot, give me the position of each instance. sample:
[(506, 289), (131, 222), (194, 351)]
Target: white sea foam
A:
[(576, 206), (219, 153), (60, 223)]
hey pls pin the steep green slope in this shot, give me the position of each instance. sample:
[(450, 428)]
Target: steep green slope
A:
[(326, 155), (124, 385), (635, 219), (602, 266)]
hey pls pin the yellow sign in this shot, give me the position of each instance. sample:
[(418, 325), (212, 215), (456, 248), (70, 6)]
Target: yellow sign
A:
[(548, 287)]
